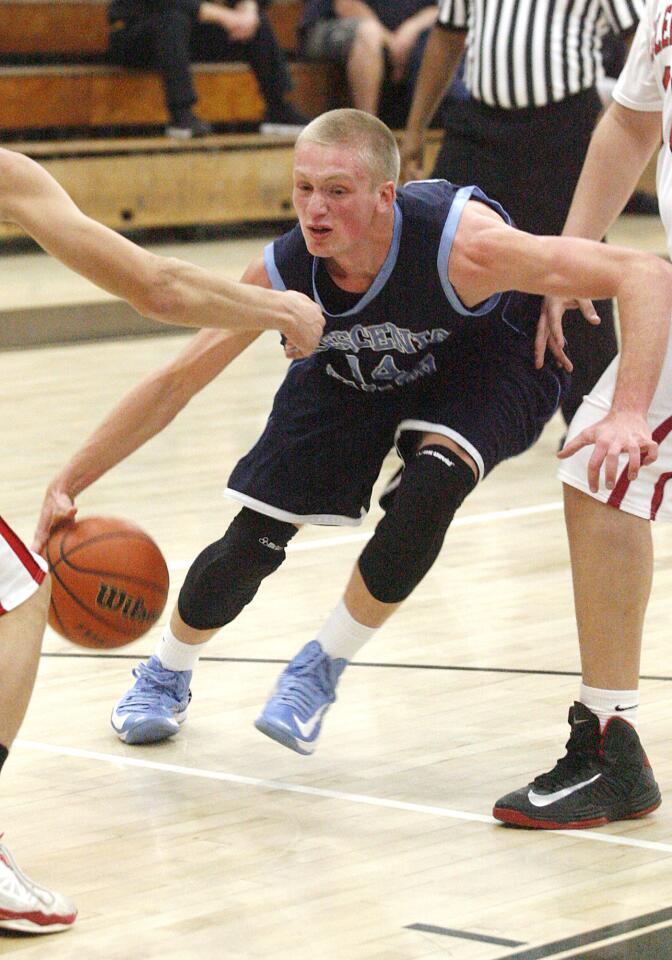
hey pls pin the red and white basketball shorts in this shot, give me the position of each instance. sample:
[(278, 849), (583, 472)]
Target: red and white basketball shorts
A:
[(650, 495), (21, 570)]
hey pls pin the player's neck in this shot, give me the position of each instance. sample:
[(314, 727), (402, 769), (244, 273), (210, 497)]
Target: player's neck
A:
[(355, 270)]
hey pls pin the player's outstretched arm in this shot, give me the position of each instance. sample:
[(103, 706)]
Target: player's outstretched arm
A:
[(490, 256), (620, 148), (161, 288), (143, 412)]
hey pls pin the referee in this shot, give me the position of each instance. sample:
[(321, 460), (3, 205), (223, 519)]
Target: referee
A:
[(531, 71)]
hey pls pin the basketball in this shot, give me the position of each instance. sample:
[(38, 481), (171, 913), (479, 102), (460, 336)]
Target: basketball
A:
[(109, 582)]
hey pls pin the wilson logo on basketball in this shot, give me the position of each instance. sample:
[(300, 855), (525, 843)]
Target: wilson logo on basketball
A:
[(127, 606)]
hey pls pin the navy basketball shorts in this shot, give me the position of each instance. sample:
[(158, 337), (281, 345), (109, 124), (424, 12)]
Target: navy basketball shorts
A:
[(320, 453), (324, 443), (487, 397)]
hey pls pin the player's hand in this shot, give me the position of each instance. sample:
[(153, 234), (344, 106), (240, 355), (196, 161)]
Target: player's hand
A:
[(245, 23), (619, 432), (58, 508), (305, 325), (412, 156), (549, 329)]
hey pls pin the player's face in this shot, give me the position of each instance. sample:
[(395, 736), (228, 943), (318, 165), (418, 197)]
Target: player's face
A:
[(334, 198)]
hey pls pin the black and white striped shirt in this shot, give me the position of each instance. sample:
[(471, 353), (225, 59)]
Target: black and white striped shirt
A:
[(527, 53)]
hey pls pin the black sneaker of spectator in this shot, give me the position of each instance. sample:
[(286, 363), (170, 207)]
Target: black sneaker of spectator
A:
[(283, 120), (186, 125)]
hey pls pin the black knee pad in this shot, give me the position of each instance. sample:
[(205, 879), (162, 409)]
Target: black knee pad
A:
[(407, 540), (227, 574)]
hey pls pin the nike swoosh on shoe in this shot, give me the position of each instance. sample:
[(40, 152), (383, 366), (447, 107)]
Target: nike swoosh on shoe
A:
[(307, 729), (546, 799)]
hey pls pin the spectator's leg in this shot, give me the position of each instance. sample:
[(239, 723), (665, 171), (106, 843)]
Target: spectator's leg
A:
[(171, 37), (366, 66)]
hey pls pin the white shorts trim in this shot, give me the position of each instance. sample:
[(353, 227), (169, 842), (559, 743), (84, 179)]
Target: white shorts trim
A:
[(424, 426), (321, 519)]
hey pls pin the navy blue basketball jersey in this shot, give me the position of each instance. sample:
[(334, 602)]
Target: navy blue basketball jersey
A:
[(395, 333)]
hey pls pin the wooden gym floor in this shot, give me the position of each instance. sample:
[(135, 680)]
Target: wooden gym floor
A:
[(222, 844)]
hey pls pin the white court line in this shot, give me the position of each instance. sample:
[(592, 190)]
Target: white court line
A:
[(279, 785), (362, 535)]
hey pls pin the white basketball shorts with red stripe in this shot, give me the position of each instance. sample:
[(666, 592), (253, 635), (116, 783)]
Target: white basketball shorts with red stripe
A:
[(21, 570), (650, 495)]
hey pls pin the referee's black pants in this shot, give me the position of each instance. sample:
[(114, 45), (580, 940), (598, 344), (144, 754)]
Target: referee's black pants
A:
[(530, 160), (170, 40)]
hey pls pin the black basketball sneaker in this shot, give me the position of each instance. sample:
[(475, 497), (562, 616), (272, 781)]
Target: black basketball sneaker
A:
[(603, 777)]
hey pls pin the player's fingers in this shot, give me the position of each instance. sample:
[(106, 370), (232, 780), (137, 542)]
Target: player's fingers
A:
[(587, 308), (541, 339), (576, 443), (634, 460), (594, 466), (649, 453)]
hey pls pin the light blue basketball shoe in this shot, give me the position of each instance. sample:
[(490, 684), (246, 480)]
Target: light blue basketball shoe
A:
[(304, 692), (155, 706)]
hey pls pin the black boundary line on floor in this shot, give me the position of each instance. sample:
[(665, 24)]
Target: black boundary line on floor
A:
[(355, 663), (464, 935), (590, 937)]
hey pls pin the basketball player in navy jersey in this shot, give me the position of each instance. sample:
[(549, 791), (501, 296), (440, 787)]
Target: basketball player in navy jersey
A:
[(421, 350)]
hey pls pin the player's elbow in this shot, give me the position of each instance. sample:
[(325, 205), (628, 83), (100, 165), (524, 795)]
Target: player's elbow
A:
[(13, 170), (161, 296)]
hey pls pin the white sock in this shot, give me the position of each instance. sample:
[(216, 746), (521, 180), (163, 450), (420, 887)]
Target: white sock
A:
[(610, 703), (341, 636), (175, 655)]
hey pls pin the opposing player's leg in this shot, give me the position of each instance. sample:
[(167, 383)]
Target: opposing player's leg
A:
[(24, 603), (605, 774), (222, 580), (405, 544)]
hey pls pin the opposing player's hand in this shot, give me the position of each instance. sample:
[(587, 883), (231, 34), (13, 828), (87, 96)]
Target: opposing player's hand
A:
[(412, 156), (57, 508), (304, 326), (617, 433), (549, 329)]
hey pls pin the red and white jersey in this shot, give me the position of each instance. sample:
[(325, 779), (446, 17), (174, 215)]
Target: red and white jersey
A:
[(21, 571), (644, 84)]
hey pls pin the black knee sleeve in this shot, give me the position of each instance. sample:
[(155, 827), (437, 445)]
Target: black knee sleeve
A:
[(407, 540), (227, 574)]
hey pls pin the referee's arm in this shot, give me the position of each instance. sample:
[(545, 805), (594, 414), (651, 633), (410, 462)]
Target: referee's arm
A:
[(439, 62)]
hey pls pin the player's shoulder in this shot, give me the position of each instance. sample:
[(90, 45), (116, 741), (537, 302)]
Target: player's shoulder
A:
[(428, 191)]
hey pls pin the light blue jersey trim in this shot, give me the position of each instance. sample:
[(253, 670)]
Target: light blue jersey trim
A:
[(382, 276), (463, 195), (271, 268)]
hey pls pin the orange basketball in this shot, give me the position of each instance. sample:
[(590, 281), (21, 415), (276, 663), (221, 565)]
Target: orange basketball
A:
[(109, 582)]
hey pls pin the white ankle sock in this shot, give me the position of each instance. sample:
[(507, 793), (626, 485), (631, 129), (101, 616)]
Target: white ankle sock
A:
[(610, 703), (341, 636), (175, 655)]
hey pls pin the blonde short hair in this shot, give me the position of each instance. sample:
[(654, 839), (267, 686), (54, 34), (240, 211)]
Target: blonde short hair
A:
[(374, 141)]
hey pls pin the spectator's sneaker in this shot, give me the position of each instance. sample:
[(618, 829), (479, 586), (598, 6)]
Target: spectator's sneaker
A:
[(26, 906), (304, 692), (187, 126), (155, 706), (386, 498), (602, 777), (283, 120)]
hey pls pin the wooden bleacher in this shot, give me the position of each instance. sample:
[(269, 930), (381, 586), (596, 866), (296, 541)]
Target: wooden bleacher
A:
[(54, 81)]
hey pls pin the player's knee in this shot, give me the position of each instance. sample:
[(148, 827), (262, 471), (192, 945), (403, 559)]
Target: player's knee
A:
[(227, 574), (408, 539)]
